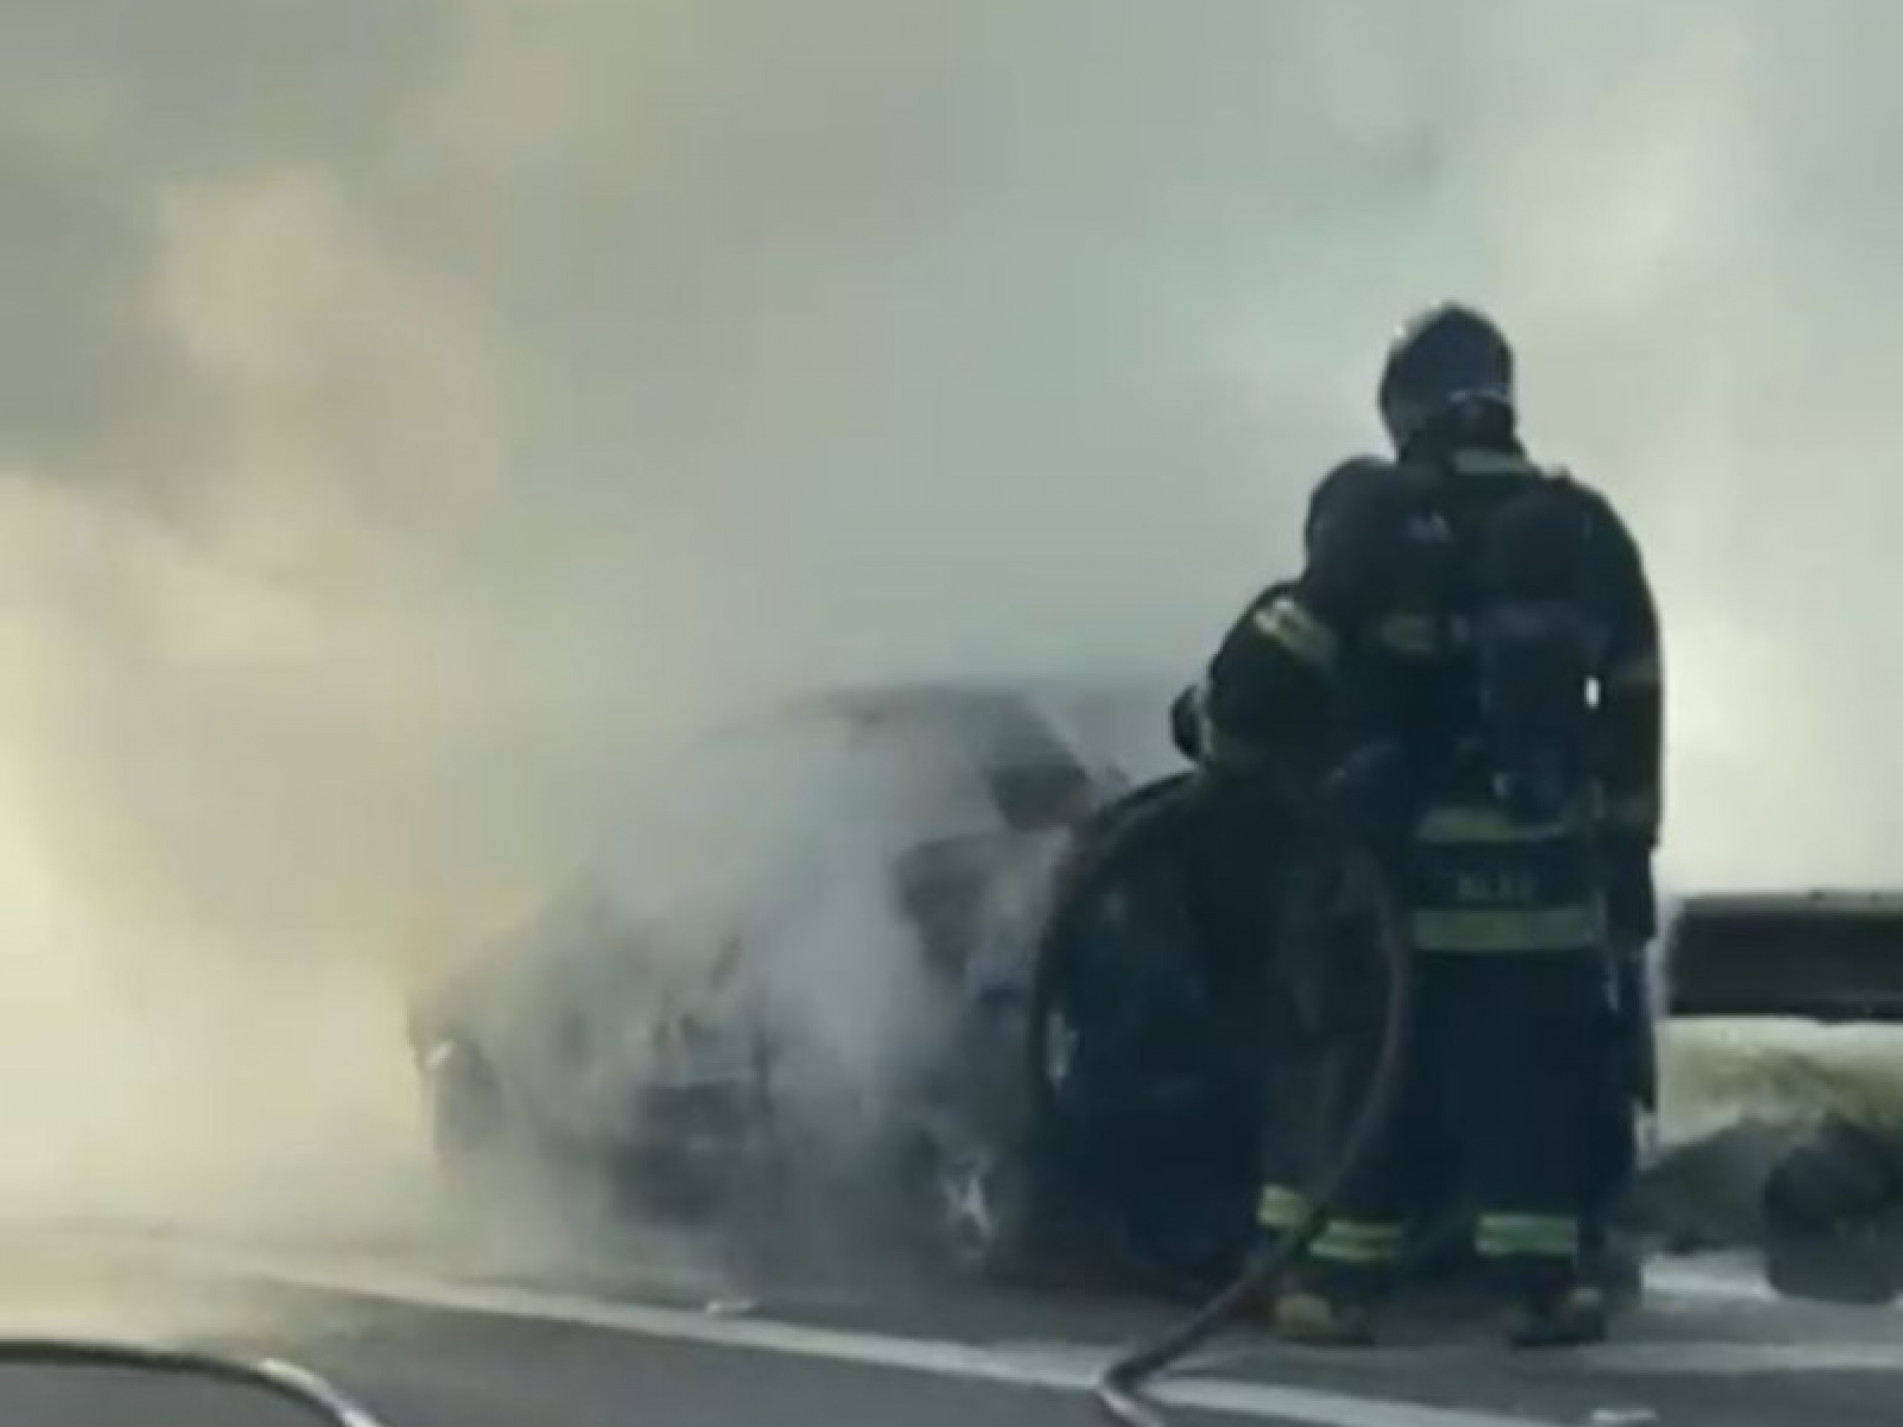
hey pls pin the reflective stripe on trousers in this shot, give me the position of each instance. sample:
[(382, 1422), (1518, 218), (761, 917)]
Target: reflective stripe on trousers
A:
[(1281, 1208), (1541, 1236), (1360, 1243)]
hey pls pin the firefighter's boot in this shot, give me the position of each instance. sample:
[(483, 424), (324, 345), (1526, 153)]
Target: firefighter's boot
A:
[(1570, 1317), (1311, 1316)]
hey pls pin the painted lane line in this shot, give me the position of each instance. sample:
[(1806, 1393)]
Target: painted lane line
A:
[(1725, 1282), (1062, 1367), (1693, 1358), (1742, 1359), (1057, 1365)]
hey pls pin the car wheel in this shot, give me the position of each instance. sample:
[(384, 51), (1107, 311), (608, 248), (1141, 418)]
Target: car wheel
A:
[(1833, 1213), (979, 1214)]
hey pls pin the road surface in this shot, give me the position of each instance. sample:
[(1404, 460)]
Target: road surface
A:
[(424, 1345)]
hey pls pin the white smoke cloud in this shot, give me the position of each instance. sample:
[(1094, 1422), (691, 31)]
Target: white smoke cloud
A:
[(414, 409)]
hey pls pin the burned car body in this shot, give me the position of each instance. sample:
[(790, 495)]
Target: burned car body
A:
[(1803, 992), (841, 1015), (746, 1058)]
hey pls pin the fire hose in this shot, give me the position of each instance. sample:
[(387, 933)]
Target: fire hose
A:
[(286, 1381), (1152, 819)]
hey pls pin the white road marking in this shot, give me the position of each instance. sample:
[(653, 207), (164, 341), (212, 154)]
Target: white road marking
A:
[(1730, 1280), (1725, 1281), (1067, 1367), (1062, 1367), (1743, 1359)]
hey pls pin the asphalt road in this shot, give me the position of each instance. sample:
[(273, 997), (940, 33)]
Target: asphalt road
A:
[(424, 1347)]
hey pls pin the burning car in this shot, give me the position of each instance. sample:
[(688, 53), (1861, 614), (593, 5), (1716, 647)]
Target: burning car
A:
[(853, 1013), (837, 1005)]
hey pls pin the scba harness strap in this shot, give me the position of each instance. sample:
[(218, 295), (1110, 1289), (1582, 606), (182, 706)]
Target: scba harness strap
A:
[(1508, 570), (1500, 849)]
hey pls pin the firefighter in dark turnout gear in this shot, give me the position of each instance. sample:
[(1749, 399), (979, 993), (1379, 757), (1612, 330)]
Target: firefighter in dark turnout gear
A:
[(1254, 884), (1479, 632)]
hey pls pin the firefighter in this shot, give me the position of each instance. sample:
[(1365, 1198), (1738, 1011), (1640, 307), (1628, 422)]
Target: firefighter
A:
[(1261, 879), (1250, 886), (1473, 638)]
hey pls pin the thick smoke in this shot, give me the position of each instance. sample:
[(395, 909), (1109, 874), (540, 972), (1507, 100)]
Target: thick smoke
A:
[(413, 412)]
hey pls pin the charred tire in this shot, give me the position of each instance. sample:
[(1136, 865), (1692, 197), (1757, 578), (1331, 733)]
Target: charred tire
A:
[(1831, 1268), (1833, 1217), (974, 1182), (981, 1216), (1144, 826)]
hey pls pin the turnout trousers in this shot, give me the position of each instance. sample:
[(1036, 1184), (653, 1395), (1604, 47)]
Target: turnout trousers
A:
[(1503, 1085), (1501, 1090)]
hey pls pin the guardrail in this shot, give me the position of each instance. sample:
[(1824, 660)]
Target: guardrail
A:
[(1825, 956)]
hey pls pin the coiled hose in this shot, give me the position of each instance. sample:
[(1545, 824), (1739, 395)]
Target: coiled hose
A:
[(286, 1381), (1150, 820)]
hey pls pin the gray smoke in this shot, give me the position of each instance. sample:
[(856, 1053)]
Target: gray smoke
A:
[(412, 412)]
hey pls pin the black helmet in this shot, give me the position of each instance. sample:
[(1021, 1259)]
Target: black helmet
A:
[(1449, 359)]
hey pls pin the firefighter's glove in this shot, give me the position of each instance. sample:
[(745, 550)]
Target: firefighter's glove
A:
[(1631, 897)]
